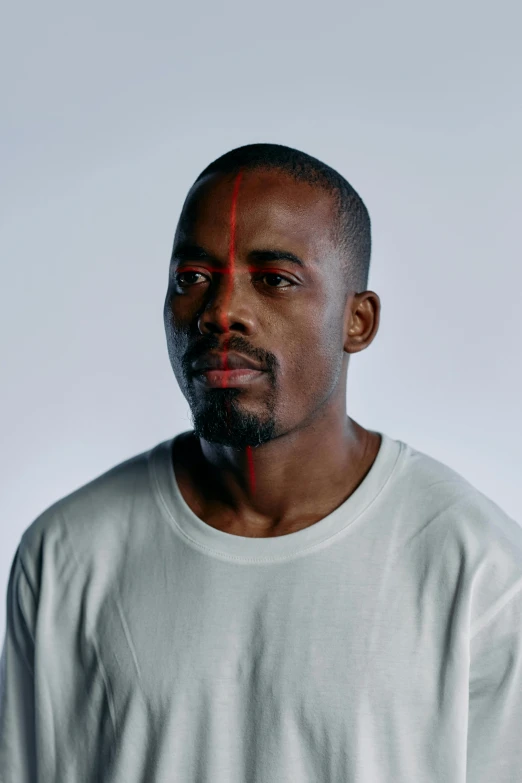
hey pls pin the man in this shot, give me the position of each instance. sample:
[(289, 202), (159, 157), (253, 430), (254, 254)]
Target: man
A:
[(279, 594)]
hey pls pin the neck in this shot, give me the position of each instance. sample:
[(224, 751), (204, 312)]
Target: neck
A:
[(300, 478)]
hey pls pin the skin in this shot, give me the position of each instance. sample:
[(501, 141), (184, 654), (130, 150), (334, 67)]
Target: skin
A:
[(307, 455)]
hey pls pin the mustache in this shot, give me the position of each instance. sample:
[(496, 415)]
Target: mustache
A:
[(203, 349)]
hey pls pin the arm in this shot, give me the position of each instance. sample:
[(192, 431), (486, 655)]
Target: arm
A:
[(17, 695), (495, 697)]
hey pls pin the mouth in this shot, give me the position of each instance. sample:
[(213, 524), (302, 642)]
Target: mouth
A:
[(225, 361), (227, 378)]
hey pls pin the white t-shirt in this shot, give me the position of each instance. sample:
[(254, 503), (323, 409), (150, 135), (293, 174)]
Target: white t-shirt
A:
[(382, 644)]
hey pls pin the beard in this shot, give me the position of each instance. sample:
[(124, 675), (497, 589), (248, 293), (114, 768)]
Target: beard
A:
[(219, 417)]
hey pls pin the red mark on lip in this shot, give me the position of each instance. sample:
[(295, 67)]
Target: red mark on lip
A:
[(231, 260)]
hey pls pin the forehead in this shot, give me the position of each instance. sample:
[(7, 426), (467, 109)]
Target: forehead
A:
[(271, 207)]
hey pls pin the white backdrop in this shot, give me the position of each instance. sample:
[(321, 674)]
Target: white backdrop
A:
[(111, 111)]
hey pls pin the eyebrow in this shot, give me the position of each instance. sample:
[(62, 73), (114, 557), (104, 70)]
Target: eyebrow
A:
[(192, 252)]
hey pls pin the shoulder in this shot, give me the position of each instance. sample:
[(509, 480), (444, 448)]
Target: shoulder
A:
[(436, 487), (481, 543), (93, 516)]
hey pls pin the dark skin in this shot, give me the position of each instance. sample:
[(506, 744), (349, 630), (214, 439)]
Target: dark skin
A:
[(308, 455)]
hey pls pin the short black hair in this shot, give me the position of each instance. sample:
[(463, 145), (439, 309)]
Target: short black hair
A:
[(353, 230)]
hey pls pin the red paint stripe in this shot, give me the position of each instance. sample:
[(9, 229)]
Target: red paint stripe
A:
[(230, 271)]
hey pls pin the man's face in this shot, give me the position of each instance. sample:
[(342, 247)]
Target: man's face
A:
[(226, 296)]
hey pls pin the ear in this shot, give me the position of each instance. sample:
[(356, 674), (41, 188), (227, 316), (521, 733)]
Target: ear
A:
[(362, 316)]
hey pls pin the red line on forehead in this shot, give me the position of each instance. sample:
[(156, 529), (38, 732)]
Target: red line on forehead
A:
[(233, 212)]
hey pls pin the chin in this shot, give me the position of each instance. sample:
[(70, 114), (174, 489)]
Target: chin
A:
[(237, 431)]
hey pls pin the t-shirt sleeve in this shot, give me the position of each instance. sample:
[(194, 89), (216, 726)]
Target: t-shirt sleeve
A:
[(495, 697), (17, 694)]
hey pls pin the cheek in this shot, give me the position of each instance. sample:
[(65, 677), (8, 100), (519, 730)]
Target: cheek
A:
[(313, 360), (320, 340)]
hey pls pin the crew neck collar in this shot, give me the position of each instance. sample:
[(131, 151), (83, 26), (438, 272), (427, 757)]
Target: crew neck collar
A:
[(228, 546)]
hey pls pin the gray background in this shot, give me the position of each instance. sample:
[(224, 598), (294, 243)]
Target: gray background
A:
[(111, 110)]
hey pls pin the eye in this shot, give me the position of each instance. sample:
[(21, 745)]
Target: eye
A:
[(275, 274), (181, 274)]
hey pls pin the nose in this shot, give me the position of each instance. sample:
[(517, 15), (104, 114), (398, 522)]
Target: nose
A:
[(228, 304)]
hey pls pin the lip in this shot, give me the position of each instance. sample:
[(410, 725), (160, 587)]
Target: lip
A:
[(227, 378), (225, 361)]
